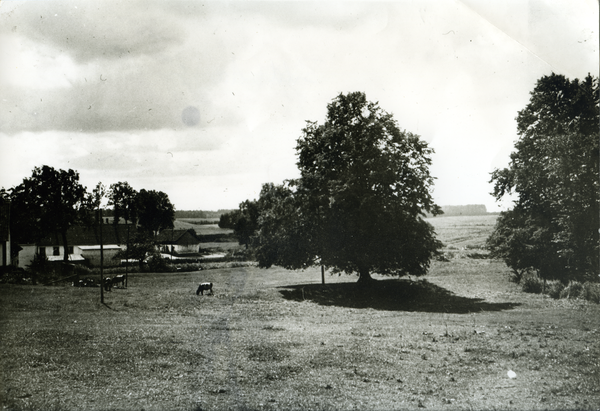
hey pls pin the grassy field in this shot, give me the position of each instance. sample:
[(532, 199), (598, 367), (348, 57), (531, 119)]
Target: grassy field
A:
[(201, 229), (463, 232), (279, 340)]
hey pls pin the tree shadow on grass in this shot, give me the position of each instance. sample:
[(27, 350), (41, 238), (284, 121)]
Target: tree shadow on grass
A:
[(391, 295)]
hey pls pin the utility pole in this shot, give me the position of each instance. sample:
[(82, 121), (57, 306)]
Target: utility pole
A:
[(126, 254), (101, 256)]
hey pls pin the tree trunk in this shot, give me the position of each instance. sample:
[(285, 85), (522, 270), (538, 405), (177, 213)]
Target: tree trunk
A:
[(66, 247), (364, 278)]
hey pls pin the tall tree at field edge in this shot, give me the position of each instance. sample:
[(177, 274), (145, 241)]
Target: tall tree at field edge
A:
[(359, 204), (554, 172)]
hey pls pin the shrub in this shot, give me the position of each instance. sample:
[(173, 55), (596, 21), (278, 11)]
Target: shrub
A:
[(516, 276), (573, 290), (118, 270), (189, 267), (82, 270), (14, 275), (591, 292), (554, 288), (39, 265), (533, 285), (157, 264)]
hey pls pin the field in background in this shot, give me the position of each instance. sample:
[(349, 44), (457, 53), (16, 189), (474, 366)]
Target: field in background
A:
[(464, 231), (456, 232), (211, 230), (278, 340), (201, 229)]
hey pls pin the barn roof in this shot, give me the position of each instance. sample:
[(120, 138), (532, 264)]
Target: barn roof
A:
[(78, 235), (178, 236)]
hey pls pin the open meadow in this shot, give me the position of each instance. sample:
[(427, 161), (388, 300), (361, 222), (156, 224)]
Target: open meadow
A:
[(280, 340)]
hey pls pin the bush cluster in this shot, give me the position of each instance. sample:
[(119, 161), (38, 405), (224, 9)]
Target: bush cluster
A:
[(12, 275), (589, 291)]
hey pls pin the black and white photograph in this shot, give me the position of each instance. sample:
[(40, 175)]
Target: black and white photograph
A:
[(299, 205)]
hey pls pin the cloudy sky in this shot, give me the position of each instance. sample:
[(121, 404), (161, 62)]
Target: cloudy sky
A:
[(205, 100)]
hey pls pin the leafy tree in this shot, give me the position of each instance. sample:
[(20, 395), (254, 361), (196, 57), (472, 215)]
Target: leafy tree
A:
[(513, 233), (358, 205), (139, 248), (154, 211), (228, 220), (50, 201), (554, 172), (283, 236), (247, 222), (123, 198), (242, 221)]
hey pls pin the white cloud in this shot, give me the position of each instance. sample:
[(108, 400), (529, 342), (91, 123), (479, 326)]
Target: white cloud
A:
[(30, 65), (101, 87)]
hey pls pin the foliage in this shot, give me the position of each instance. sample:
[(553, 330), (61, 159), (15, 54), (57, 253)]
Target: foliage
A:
[(591, 292), (512, 234), (553, 227), (50, 201), (158, 264), (154, 211), (82, 270), (228, 220), (246, 225), (573, 290), (13, 275), (533, 285), (123, 199), (283, 237), (358, 205), (139, 247), (554, 288)]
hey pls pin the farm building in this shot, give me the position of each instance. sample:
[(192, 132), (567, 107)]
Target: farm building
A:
[(178, 241), (83, 246)]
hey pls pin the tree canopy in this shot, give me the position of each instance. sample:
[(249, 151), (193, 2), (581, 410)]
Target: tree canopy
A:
[(554, 173), (154, 211), (357, 207), (50, 201), (123, 199)]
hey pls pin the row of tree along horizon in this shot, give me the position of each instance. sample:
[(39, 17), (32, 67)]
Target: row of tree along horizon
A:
[(211, 215)]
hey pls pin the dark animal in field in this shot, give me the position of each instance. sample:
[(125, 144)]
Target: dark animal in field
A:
[(108, 284), (88, 282), (204, 287), (119, 279)]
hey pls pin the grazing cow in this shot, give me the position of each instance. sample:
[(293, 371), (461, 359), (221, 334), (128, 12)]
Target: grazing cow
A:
[(119, 279), (204, 287), (108, 284)]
